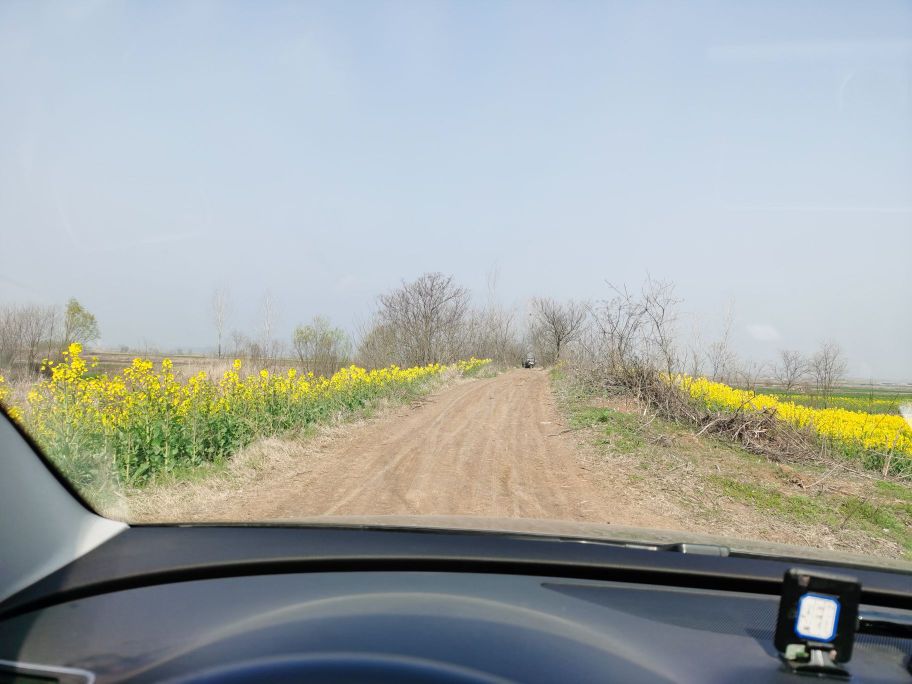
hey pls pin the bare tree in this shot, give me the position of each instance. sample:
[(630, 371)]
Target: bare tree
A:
[(268, 318), (619, 321), (556, 324), (660, 309), (491, 330), (636, 329), (52, 323), (377, 345), (26, 331), (38, 323), (10, 337), (248, 349), (492, 334), (427, 318), (828, 366), (271, 348), (221, 304), (790, 370), (747, 375), (634, 342), (693, 355), (239, 344), (719, 355)]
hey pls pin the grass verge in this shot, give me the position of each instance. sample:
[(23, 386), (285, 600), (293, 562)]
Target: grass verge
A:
[(712, 486)]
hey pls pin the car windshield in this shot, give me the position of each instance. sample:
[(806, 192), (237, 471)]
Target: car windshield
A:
[(611, 268)]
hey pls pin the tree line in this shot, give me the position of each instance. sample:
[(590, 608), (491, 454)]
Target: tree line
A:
[(632, 335), (434, 319), (430, 319), (30, 333)]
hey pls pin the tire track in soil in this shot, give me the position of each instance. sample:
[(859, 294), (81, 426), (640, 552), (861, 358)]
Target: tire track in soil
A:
[(486, 448)]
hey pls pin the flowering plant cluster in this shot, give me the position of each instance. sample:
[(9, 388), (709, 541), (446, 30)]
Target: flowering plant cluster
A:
[(870, 436), (144, 420)]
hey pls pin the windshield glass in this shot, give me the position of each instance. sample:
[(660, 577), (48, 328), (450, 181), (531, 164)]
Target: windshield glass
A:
[(631, 266)]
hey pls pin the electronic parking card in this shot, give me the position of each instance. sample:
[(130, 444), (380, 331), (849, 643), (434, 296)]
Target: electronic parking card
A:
[(818, 614)]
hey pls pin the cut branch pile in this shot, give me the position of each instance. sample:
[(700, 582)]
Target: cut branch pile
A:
[(760, 432)]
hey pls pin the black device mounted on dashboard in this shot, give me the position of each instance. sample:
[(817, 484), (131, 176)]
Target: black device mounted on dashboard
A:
[(818, 617)]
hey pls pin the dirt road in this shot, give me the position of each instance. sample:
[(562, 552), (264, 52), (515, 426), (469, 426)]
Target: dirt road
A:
[(493, 453), (490, 447)]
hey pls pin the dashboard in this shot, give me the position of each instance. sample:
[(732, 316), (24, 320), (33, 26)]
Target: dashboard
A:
[(392, 624)]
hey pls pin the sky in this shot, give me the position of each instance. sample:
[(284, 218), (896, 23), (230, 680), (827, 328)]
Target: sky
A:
[(756, 154)]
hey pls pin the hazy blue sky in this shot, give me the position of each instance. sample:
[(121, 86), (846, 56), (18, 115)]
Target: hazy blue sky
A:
[(756, 152)]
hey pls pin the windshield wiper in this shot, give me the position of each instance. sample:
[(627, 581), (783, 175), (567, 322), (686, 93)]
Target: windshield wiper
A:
[(682, 547)]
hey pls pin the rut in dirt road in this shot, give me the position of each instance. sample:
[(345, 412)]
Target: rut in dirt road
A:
[(490, 447)]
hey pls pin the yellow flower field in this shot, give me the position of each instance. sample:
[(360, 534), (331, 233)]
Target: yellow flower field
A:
[(145, 421), (871, 436)]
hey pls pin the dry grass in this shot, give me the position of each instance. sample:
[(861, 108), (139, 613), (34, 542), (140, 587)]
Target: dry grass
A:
[(706, 484)]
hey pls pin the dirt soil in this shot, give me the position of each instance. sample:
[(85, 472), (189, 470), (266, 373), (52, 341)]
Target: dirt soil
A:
[(493, 447)]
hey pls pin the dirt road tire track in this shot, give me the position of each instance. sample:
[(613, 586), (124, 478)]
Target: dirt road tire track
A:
[(490, 447)]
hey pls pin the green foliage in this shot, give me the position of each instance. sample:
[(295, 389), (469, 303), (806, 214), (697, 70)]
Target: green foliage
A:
[(622, 431), (895, 489), (851, 399), (321, 348), (145, 421), (765, 497), (79, 325), (875, 516)]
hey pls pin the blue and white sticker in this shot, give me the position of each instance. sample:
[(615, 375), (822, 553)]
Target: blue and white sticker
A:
[(817, 617)]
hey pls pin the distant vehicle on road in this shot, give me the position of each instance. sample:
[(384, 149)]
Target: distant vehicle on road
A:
[(529, 361)]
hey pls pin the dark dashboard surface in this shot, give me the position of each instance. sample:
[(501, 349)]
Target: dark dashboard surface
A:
[(146, 555), (516, 628), (395, 624)]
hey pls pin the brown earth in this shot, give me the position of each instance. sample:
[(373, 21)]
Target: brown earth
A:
[(493, 447)]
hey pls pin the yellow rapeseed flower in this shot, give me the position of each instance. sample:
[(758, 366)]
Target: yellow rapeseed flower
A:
[(873, 432), (146, 419)]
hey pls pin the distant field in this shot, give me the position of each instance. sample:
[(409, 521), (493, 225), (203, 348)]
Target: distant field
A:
[(868, 400), (183, 364)]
